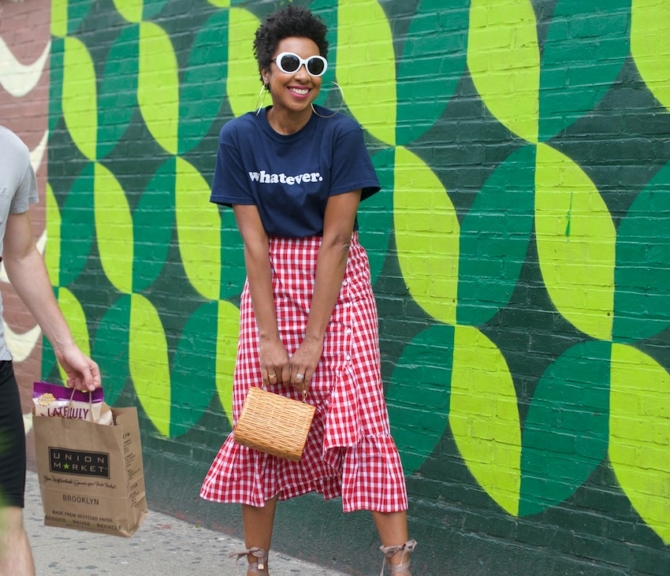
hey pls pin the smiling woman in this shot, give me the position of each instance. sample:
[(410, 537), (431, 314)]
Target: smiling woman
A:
[(294, 174)]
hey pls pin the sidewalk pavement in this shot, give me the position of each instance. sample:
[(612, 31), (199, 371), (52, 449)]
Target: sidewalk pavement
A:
[(163, 546)]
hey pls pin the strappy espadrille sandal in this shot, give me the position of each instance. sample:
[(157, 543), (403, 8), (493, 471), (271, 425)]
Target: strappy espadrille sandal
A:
[(259, 567), (401, 569)]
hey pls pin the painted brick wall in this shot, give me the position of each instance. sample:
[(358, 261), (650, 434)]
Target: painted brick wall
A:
[(520, 254)]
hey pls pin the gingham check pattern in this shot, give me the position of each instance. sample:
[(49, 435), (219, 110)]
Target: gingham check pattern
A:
[(349, 449)]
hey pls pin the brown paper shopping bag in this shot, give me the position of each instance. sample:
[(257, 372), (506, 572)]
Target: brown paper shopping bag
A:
[(91, 475)]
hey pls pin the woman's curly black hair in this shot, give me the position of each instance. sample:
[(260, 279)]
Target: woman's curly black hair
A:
[(289, 22)]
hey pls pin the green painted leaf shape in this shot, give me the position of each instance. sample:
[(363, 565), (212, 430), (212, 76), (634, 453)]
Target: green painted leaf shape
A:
[(484, 417), (193, 374), (421, 379), (67, 16), (198, 231), (158, 85), (52, 252), (56, 71), (148, 362), (111, 348), (228, 329), (495, 234), (76, 233), (427, 236), (131, 10), (152, 8), (118, 89), (575, 242), (504, 62), (650, 30), (113, 229), (80, 97), (243, 83), (327, 11), (204, 81), (566, 431), (366, 67), (432, 64), (640, 434), (642, 279), (76, 320), (153, 222), (234, 274), (375, 215), (583, 53), (59, 18)]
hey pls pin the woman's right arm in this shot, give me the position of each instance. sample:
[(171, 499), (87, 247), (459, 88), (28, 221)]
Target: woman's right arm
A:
[(273, 356)]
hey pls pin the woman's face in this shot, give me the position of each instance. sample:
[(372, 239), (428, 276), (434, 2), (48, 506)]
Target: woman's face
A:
[(293, 92)]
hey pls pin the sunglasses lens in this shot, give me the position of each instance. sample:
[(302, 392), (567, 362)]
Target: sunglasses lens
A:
[(316, 66), (289, 63)]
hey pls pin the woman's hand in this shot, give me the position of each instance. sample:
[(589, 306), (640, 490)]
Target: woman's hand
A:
[(303, 363), (275, 366)]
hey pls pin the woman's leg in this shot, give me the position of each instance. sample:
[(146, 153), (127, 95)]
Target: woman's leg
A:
[(258, 523), (392, 528)]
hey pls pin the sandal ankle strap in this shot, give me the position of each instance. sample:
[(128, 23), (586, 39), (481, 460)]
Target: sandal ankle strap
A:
[(255, 567), (389, 551)]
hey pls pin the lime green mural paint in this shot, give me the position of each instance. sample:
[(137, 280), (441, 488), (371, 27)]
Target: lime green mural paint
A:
[(52, 251), (76, 319), (366, 66), (243, 83), (220, 3), (131, 10), (640, 434), (578, 270), (650, 30), (80, 104), (226, 354), (148, 362), (427, 236), (504, 62), (198, 232), (114, 229), (484, 417), (158, 85), (59, 18)]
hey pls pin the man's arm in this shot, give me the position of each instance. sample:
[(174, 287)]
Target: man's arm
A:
[(28, 275)]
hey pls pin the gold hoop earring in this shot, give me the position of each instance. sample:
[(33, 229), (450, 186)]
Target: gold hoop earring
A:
[(336, 111), (261, 98)]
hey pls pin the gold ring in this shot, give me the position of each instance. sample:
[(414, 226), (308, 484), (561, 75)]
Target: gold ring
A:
[(271, 376)]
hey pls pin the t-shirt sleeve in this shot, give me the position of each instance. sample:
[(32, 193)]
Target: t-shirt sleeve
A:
[(352, 166), (231, 184), (26, 191)]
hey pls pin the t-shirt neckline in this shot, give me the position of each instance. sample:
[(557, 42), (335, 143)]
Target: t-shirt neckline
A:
[(270, 131)]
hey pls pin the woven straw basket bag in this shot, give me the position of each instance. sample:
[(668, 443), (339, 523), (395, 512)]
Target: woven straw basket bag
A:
[(274, 424)]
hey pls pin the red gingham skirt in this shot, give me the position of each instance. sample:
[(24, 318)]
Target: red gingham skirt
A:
[(349, 450)]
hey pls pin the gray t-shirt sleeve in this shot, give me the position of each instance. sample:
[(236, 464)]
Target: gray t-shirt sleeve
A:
[(26, 191)]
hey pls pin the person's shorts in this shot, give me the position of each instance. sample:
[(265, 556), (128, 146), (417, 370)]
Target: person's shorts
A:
[(12, 440)]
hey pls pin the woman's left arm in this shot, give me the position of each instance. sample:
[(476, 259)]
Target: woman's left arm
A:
[(331, 262)]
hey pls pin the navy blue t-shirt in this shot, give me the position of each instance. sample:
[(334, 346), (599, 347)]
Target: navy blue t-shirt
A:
[(290, 178)]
